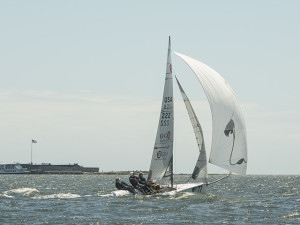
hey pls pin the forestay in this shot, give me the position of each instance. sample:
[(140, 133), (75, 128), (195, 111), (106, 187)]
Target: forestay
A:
[(163, 147), (201, 164), (229, 144)]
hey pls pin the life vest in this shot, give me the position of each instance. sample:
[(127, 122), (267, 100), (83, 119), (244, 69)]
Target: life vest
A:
[(155, 187)]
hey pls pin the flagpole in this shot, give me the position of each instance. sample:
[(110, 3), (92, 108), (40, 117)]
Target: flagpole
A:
[(32, 142), (31, 152)]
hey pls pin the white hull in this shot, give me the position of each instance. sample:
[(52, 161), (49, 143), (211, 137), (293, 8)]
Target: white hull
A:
[(168, 191), (187, 187), (5, 172)]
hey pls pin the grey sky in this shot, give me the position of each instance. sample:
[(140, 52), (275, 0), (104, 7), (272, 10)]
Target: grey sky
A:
[(85, 79)]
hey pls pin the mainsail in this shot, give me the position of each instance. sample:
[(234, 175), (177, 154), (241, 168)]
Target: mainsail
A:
[(201, 164), (229, 144), (163, 148)]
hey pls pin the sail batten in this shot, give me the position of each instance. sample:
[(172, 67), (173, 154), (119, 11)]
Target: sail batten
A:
[(229, 144)]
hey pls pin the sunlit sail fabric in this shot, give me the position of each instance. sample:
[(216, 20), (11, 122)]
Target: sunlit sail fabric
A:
[(201, 164), (229, 144), (163, 147)]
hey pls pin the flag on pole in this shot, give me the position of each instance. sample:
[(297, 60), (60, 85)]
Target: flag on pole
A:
[(34, 141)]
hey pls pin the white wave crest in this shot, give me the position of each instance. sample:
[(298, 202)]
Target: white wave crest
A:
[(293, 215), (183, 195), (106, 195), (20, 191), (59, 196)]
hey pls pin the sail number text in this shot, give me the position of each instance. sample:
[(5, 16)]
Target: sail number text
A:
[(164, 123), (165, 116), (167, 99)]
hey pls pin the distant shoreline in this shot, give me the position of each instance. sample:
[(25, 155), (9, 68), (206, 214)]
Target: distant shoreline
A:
[(144, 172)]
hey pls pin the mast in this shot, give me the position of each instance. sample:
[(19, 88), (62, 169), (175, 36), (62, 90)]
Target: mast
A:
[(171, 171), (170, 68)]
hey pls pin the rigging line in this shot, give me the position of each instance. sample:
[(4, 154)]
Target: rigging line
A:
[(188, 179), (219, 179)]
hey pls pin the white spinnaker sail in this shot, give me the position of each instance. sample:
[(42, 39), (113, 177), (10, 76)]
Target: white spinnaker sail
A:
[(229, 143), (163, 147), (201, 164)]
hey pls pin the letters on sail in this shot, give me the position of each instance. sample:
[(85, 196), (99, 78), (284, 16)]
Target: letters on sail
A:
[(163, 148)]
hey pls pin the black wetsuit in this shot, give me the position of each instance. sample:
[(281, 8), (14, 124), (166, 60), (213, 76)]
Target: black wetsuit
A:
[(142, 180), (134, 180), (123, 186), (145, 186)]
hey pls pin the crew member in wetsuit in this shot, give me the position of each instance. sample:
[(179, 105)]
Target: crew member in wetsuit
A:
[(120, 185), (134, 180), (143, 182)]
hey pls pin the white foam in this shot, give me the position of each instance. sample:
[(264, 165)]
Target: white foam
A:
[(183, 195), (107, 195), (20, 191), (59, 195), (293, 215)]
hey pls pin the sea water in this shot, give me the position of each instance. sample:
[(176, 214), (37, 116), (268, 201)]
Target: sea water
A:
[(87, 199)]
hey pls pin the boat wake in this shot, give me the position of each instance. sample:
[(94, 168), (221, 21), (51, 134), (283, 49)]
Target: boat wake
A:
[(183, 195), (106, 195)]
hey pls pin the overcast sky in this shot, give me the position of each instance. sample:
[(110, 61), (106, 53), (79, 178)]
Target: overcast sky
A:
[(85, 79)]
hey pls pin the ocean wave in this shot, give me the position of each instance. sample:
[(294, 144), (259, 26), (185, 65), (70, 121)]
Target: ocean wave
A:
[(58, 196), (106, 195), (183, 195), (20, 191), (35, 194), (293, 215)]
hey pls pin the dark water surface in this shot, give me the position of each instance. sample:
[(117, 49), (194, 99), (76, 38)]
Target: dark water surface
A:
[(86, 199)]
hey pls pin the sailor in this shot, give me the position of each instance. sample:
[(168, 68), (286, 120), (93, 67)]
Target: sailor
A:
[(144, 184), (142, 180), (120, 185), (134, 180)]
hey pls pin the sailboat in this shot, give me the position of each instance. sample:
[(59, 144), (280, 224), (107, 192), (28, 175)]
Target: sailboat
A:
[(229, 143)]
